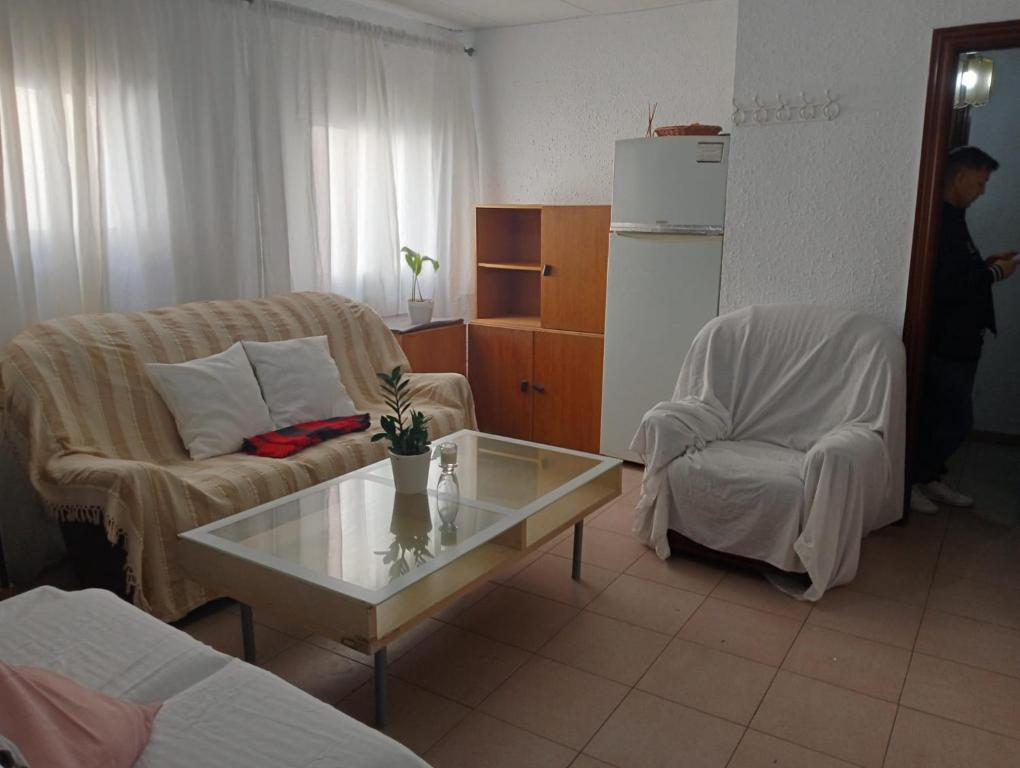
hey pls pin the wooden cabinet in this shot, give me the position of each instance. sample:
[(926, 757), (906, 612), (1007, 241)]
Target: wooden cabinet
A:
[(567, 390), (535, 350), (499, 369), (575, 248), (543, 265), (438, 347), (536, 384)]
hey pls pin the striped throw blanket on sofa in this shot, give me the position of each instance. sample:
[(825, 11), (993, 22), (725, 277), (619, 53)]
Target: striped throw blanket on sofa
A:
[(99, 445)]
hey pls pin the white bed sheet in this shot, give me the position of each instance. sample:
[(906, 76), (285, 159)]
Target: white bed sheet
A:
[(217, 710)]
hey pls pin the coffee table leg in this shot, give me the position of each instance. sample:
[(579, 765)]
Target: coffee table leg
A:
[(380, 688), (575, 569), (247, 633)]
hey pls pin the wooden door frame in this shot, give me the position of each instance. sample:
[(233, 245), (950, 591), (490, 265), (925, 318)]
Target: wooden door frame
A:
[(947, 45)]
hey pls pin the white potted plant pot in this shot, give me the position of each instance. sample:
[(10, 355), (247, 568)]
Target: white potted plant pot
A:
[(420, 311), (410, 473)]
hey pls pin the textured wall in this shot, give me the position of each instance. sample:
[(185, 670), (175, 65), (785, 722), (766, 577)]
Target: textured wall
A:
[(994, 222), (552, 98), (823, 213)]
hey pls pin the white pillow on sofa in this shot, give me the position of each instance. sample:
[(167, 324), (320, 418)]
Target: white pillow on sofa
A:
[(299, 379), (215, 401)]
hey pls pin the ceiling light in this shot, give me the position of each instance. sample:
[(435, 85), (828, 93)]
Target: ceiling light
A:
[(973, 81)]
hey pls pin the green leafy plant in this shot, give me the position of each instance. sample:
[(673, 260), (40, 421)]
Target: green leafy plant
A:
[(416, 262), (407, 429)]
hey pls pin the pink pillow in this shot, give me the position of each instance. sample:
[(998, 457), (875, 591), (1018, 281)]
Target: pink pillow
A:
[(56, 722)]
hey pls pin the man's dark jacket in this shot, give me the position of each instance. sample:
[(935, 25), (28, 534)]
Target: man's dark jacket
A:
[(963, 292)]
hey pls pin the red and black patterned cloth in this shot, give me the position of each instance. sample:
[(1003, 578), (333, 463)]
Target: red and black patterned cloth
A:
[(289, 440)]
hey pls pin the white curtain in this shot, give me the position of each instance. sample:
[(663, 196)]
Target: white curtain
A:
[(161, 151)]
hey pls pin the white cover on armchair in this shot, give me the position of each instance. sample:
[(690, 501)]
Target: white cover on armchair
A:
[(783, 442)]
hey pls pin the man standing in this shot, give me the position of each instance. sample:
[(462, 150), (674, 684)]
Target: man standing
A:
[(961, 314)]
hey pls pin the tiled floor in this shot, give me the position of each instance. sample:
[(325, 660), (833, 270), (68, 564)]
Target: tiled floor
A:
[(648, 663)]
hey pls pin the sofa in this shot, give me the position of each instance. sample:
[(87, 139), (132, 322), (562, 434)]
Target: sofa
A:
[(215, 710), (100, 449)]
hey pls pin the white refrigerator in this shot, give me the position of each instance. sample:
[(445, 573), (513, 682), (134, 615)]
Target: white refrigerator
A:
[(665, 256)]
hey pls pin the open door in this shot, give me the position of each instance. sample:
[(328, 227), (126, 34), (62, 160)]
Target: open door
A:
[(947, 45)]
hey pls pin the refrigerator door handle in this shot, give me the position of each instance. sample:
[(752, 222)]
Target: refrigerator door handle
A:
[(700, 230)]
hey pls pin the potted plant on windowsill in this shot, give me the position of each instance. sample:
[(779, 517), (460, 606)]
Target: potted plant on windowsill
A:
[(420, 308), (408, 433)]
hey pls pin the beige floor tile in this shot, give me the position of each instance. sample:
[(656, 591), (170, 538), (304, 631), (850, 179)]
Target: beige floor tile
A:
[(921, 740), (759, 750), (511, 571), (415, 717), (851, 662), (983, 551), (618, 516), (968, 695), (756, 635), (394, 651), (678, 571), (708, 680), (614, 551), (549, 576), (995, 564), (649, 732), (518, 618), (287, 626), (553, 700), (586, 761), (867, 616), (918, 552), (464, 602), (975, 600), (222, 630), (920, 528), (968, 530), (325, 675), (647, 604), (830, 720), (458, 664), (970, 642), (480, 741), (893, 579), (606, 647), (755, 591)]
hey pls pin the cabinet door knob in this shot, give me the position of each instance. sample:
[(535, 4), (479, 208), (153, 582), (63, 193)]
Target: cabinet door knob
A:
[(546, 270), (524, 385), (538, 387)]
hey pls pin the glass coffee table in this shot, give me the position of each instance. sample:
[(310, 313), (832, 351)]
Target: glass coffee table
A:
[(355, 561)]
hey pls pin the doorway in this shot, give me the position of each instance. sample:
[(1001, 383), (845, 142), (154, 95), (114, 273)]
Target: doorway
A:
[(941, 123)]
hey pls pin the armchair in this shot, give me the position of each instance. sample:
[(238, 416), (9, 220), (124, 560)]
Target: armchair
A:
[(783, 442)]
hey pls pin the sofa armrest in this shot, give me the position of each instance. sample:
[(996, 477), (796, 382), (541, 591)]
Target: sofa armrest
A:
[(445, 390)]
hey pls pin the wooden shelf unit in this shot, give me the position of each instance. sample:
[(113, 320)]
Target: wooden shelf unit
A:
[(515, 267), (535, 349)]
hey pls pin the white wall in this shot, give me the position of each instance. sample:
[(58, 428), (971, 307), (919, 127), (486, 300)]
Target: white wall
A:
[(823, 213), (553, 98), (994, 222)]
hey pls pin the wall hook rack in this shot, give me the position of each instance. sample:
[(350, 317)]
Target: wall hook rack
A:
[(809, 109)]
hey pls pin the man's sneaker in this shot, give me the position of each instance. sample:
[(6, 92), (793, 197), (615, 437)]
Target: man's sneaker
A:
[(921, 503), (938, 491)]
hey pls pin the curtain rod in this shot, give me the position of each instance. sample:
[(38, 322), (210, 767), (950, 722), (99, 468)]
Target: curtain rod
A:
[(393, 33)]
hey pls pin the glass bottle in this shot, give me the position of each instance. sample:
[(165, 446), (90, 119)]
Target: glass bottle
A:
[(448, 490)]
